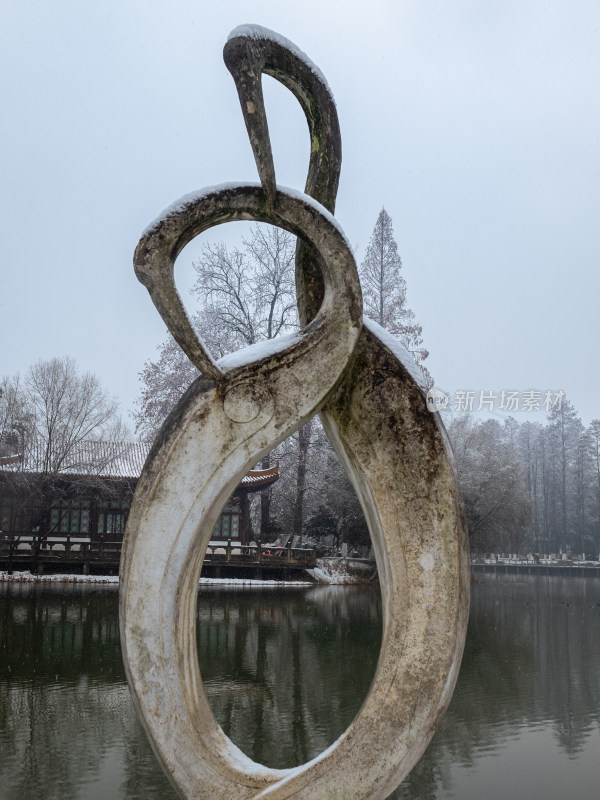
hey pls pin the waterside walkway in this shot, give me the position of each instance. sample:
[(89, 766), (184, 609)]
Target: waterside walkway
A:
[(102, 558), (516, 566)]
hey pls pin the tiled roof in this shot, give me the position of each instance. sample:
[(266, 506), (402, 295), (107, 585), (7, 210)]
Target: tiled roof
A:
[(259, 478), (7, 461), (108, 459), (112, 460)]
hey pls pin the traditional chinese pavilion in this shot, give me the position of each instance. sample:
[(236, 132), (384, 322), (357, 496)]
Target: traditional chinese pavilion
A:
[(87, 499)]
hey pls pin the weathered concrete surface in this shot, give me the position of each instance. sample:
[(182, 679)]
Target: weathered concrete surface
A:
[(394, 449)]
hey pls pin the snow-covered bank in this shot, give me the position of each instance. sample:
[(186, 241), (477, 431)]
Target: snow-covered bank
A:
[(343, 570), (251, 582), (27, 577), (328, 570)]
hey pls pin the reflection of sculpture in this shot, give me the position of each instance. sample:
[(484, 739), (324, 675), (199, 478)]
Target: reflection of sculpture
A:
[(374, 411)]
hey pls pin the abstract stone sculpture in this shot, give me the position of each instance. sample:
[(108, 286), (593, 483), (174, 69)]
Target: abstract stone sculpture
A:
[(368, 394)]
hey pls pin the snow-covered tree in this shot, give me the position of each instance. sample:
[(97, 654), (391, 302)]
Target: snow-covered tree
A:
[(250, 292), (493, 484), (66, 408), (563, 433), (14, 416), (165, 379), (594, 434), (384, 291)]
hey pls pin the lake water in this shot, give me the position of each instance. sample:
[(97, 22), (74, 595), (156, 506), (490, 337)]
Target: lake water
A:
[(286, 671)]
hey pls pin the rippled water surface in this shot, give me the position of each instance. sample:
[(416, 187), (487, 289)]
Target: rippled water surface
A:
[(286, 671), (525, 717)]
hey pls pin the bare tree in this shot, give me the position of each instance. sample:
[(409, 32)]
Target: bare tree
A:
[(56, 422), (582, 490), (273, 252), (562, 434), (67, 408), (250, 292), (292, 494), (530, 444), (53, 412), (304, 438), (594, 432), (384, 291), (314, 497)]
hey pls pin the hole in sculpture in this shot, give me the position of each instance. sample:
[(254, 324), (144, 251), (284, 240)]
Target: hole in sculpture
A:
[(236, 282), (288, 132), (286, 669)]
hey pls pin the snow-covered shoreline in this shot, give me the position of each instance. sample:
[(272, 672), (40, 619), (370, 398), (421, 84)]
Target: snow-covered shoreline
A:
[(343, 570), (27, 577), (336, 571)]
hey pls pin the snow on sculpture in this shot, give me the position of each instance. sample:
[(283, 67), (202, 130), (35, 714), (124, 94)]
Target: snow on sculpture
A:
[(375, 414)]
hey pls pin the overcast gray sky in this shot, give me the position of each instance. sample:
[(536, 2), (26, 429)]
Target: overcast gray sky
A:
[(476, 124)]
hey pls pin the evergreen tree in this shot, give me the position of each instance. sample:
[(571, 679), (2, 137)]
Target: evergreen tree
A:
[(493, 482), (384, 291), (563, 431), (594, 433)]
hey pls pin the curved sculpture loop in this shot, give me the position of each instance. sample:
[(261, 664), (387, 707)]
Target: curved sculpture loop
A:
[(395, 451)]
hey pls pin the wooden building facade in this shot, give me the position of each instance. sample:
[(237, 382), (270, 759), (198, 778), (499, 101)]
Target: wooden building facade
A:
[(88, 502)]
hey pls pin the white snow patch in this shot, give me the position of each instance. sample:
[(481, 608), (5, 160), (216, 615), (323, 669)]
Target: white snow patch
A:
[(253, 583), (258, 33), (342, 570), (193, 197), (397, 348), (189, 199), (259, 351), (28, 577)]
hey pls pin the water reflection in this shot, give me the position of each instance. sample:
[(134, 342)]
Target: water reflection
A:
[(67, 725), (530, 672), (286, 674), (286, 671)]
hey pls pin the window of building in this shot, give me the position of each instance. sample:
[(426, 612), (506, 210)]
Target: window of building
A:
[(228, 526), (112, 517), (70, 517)]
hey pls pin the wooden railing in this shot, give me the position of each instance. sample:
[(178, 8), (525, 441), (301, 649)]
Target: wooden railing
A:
[(267, 555), (49, 550), (59, 549)]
